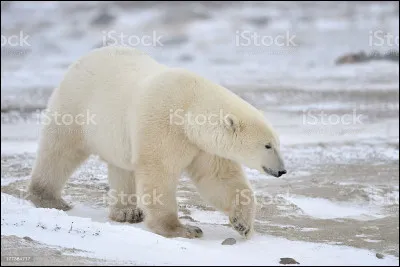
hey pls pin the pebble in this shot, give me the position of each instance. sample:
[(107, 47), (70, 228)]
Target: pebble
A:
[(288, 261), (229, 241)]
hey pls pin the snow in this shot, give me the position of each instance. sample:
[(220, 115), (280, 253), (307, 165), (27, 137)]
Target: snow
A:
[(211, 217), (133, 243), (326, 209), (10, 147)]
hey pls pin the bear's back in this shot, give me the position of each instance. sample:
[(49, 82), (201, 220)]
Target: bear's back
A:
[(115, 63), (103, 75)]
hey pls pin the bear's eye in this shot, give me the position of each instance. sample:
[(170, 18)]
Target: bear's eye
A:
[(268, 146)]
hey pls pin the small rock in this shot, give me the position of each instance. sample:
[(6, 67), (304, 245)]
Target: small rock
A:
[(27, 238), (352, 58), (229, 241), (364, 57), (379, 256), (288, 261)]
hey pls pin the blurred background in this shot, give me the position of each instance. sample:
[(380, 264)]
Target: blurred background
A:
[(326, 74), (246, 46)]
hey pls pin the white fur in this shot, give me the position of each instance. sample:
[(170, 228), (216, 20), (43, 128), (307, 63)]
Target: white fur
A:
[(133, 97)]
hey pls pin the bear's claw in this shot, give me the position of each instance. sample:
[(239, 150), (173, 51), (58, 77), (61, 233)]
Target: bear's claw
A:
[(241, 227)]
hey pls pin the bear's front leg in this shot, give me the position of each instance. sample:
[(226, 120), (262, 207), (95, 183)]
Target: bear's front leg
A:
[(223, 184), (122, 196), (242, 211), (156, 187)]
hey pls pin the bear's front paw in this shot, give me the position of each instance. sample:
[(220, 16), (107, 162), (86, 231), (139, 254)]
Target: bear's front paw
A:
[(126, 214), (243, 227)]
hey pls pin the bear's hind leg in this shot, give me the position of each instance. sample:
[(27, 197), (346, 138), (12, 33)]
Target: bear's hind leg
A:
[(59, 155), (157, 195), (123, 206), (223, 184)]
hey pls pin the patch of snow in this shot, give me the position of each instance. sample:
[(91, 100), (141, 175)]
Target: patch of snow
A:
[(326, 209), (123, 242)]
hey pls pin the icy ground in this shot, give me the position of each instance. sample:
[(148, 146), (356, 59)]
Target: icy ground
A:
[(329, 210)]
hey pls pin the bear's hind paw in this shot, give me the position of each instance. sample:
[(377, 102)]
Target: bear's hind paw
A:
[(48, 203), (126, 214), (192, 231)]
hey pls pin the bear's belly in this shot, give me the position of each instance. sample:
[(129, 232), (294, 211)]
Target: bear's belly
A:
[(115, 153), (112, 142)]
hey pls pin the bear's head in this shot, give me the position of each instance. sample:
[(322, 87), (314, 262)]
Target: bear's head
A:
[(243, 136)]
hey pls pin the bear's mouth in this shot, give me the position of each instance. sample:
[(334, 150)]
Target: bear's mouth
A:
[(273, 173)]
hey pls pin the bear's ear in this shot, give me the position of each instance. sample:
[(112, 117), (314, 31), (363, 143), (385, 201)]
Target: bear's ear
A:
[(232, 123)]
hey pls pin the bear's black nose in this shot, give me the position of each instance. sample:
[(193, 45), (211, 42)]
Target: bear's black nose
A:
[(280, 173)]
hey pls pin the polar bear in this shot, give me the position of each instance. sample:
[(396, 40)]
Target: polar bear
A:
[(151, 123)]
